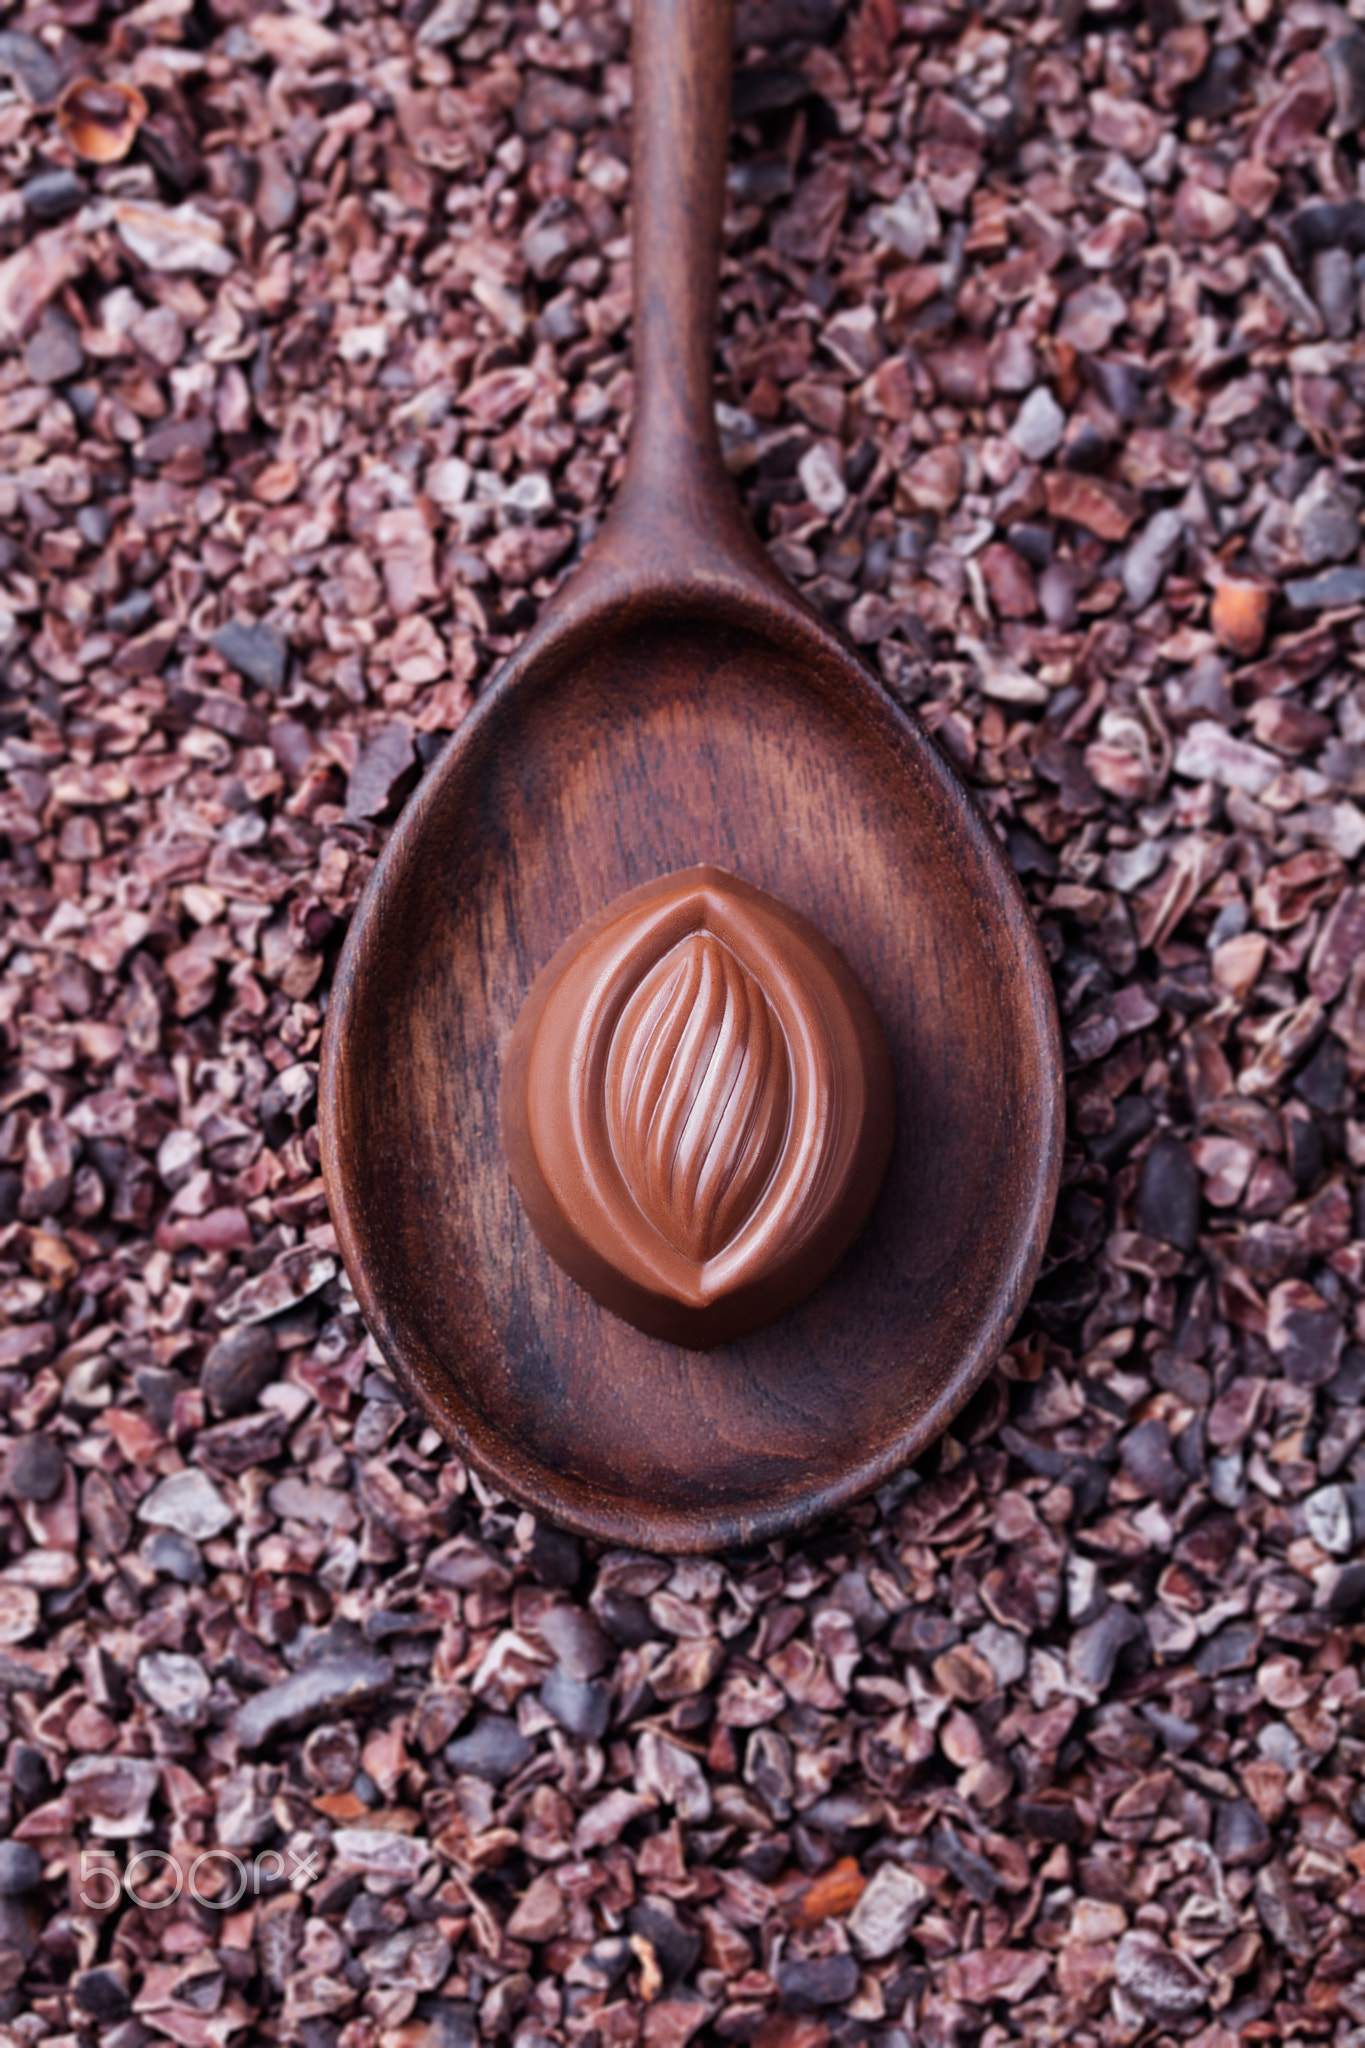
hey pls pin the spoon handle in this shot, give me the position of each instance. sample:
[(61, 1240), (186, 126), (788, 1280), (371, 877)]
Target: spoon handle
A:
[(680, 63)]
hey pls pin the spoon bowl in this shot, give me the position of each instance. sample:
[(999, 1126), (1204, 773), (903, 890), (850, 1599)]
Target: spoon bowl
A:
[(690, 732)]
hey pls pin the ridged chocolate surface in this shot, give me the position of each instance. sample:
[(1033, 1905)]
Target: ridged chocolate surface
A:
[(697, 1095), (697, 1107)]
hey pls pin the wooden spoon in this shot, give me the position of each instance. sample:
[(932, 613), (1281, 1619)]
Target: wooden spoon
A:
[(678, 704)]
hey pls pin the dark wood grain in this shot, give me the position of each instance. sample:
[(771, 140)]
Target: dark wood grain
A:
[(678, 704)]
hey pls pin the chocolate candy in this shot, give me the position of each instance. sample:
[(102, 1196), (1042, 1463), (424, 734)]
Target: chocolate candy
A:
[(697, 1107)]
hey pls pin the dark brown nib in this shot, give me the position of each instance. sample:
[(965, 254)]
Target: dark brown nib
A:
[(698, 1107)]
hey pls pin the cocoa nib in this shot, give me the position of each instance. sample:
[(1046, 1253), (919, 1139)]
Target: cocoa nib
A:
[(327, 1686)]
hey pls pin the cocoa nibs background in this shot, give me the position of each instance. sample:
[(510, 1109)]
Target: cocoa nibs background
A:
[(1041, 371)]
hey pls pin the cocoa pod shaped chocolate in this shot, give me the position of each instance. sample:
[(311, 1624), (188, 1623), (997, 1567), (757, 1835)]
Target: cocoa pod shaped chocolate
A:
[(697, 1107)]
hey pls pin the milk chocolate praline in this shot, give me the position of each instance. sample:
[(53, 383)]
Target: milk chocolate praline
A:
[(697, 1107)]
